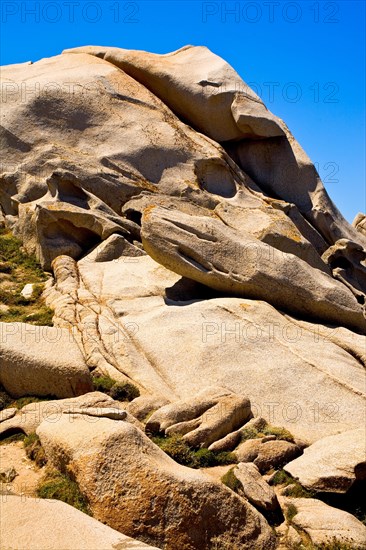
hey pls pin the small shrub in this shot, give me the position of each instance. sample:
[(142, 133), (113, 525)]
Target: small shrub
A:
[(291, 511), (249, 433), (103, 383), (295, 489), (24, 269), (5, 398), (281, 478), (26, 400), (124, 391), (34, 449), (43, 317), (203, 458), (121, 391), (230, 480), (280, 433), (176, 448), (61, 487)]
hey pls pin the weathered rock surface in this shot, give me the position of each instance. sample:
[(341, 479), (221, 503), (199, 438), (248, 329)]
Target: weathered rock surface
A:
[(267, 454), (332, 464), (204, 90), (31, 416), (128, 314), (227, 443), (204, 418), (107, 412), (7, 413), (137, 489), (144, 405), (235, 263), (360, 223), (41, 361), (324, 524), (254, 487), (38, 524)]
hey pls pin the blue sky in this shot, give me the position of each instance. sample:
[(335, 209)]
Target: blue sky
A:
[(306, 59)]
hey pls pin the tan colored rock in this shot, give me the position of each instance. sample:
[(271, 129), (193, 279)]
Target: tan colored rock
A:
[(269, 222), (114, 247), (333, 463), (144, 405), (136, 488), (36, 360), (227, 443), (232, 440), (254, 488), (324, 524), (107, 412), (360, 223), (7, 413), (38, 524), (203, 249), (205, 418), (200, 87), (347, 262), (281, 168), (98, 155), (31, 416), (275, 454), (267, 453), (248, 450)]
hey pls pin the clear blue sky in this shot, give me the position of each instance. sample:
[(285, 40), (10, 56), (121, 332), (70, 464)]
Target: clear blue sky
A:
[(305, 58)]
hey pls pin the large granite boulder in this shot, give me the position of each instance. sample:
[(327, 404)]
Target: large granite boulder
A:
[(41, 360), (37, 524), (325, 525), (137, 489), (332, 464)]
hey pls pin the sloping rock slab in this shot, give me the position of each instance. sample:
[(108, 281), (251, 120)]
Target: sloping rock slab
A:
[(333, 463), (37, 524)]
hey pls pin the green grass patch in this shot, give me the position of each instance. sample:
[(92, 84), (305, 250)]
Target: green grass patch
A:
[(61, 487), (249, 433), (16, 270), (103, 383), (175, 447), (124, 391), (290, 512), (34, 449), (229, 479), (23, 401), (121, 391), (295, 489), (278, 432), (281, 478)]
